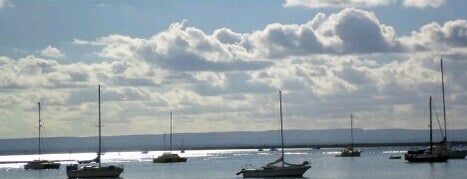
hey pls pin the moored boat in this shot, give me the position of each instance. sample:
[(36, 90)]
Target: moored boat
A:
[(431, 154), (283, 169), (291, 170), (41, 164), (350, 151), (93, 171), (453, 152), (169, 157)]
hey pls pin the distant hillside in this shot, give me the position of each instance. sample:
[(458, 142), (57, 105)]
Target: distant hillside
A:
[(224, 140)]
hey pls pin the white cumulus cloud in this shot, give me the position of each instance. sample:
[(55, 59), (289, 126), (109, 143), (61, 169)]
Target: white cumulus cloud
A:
[(423, 3), (433, 36), (50, 51), (337, 3), (314, 4)]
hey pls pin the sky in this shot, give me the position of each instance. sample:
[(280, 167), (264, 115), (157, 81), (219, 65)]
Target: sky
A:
[(218, 65)]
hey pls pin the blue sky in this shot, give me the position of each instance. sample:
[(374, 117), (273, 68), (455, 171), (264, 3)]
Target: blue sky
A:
[(221, 63), (31, 25)]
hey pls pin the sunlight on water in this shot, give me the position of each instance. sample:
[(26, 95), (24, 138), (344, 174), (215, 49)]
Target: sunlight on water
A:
[(394, 152), (332, 153), (296, 153), (120, 157), (263, 153), (373, 163)]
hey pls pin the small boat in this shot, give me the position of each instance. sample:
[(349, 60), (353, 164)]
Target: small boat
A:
[(282, 170), (429, 155), (41, 164), (270, 170), (145, 152), (260, 149), (92, 171), (273, 149), (350, 151), (182, 150), (395, 157), (169, 157)]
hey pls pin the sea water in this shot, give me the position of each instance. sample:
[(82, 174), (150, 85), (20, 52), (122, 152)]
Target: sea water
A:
[(373, 163)]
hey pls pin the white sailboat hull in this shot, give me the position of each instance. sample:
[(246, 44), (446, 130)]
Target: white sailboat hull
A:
[(288, 171)]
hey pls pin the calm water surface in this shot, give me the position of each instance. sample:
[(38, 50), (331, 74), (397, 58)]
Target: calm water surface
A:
[(373, 163)]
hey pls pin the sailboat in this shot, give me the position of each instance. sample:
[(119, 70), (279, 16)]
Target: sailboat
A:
[(92, 171), (453, 153), (169, 157), (431, 154), (350, 151), (182, 150), (282, 170), (41, 164)]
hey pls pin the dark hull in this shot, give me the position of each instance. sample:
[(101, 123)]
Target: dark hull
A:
[(457, 154), (414, 158), (169, 160), (349, 154), (42, 166), (103, 172), (291, 171)]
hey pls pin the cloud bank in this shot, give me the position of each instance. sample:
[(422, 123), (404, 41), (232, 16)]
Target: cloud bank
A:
[(329, 67), (314, 4)]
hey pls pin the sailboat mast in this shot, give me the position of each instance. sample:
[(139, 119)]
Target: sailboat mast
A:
[(431, 129), (39, 138), (351, 131), (444, 104), (100, 147), (165, 141), (171, 131), (282, 130)]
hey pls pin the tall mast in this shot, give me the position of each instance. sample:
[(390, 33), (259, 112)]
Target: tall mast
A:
[(444, 104), (182, 143), (170, 131), (99, 152), (351, 131), (282, 130), (431, 129), (39, 138), (165, 141)]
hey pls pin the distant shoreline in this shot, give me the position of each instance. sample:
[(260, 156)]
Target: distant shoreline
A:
[(331, 138), (266, 147), (414, 144)]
